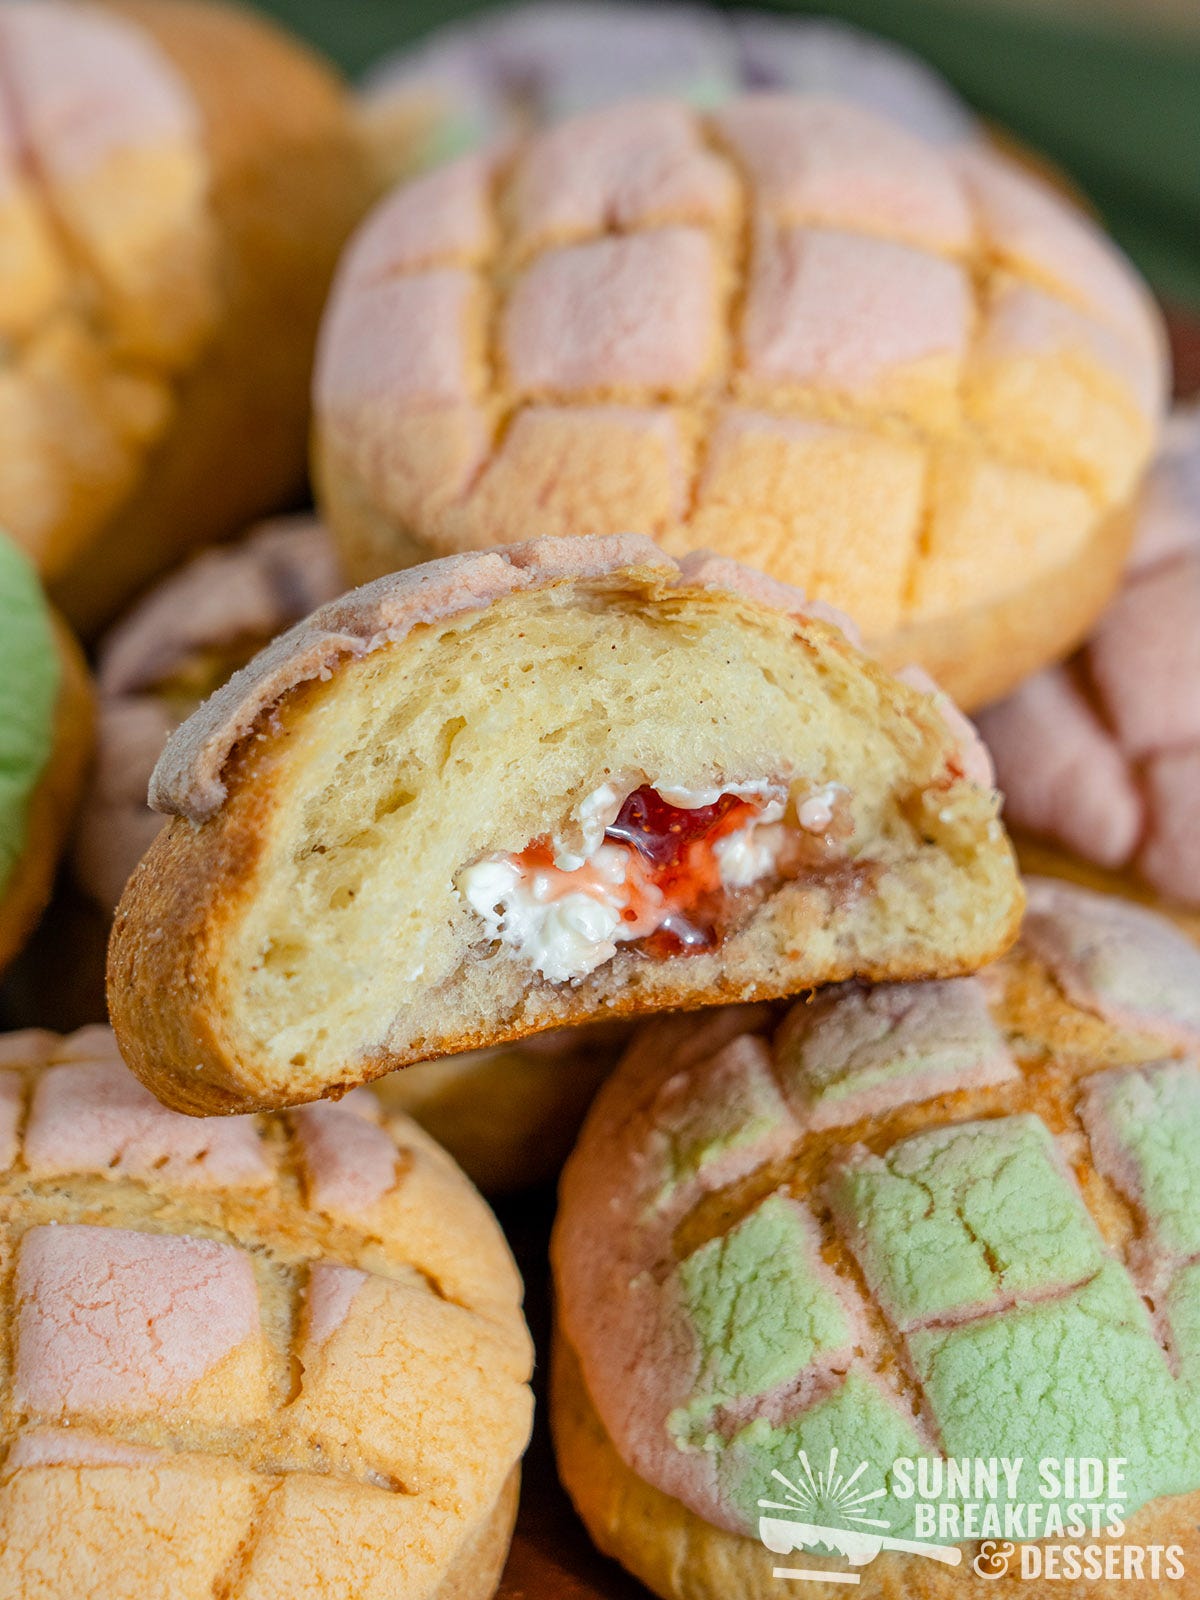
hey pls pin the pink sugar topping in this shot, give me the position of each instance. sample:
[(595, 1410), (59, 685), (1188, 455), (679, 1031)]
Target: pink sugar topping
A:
[(112, 1321), (85, 85), (349, 1162), (331, 1291), (95, 1117)]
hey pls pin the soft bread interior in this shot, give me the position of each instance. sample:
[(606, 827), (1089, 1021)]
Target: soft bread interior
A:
[(346, 947)]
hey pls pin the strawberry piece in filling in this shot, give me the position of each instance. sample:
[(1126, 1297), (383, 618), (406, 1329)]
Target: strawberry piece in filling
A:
[(657, 877), (676, 868)]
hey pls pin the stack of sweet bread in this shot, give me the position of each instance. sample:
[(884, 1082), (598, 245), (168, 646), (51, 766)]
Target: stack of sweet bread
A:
[(701, 454)]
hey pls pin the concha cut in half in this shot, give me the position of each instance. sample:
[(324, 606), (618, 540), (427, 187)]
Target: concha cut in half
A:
[(907, 1223), (542, 785), (508, 1116), (909, 378)]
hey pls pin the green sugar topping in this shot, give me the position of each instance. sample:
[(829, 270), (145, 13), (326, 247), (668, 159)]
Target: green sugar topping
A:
[(954, 1220), (1183, 1320), (1071, 1377), (29, 680), (1145, 1128), (857, 1419), (761, 1307)]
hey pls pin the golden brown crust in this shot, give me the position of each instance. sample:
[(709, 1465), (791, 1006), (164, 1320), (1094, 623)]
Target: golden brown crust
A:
[(52, 805), (682, 1557), (980, 655), (289, 182), (163, 942)]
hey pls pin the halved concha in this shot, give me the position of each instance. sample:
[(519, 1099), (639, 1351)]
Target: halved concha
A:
[(525, 788)]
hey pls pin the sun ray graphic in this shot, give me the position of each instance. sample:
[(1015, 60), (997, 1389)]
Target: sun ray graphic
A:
[(829, 1496)]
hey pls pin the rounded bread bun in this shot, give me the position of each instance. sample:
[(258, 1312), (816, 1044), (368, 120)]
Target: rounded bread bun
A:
[(521, 66), (954, 1219), (166, 654), (327, 904), (680, 1556), (257, 1357), (176, 181), (507, 1116), (911, 379), (1100, 757)]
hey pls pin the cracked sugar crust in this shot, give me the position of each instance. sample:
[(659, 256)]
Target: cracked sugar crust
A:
[(908, 378), (224, 1342), (108, 282), (1101, 756), (948, 1219)]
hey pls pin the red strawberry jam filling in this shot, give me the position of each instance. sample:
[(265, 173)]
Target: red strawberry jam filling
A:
[(654, 873), (678, 859)]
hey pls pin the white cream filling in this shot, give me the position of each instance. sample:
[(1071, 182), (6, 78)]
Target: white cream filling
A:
[(567, 920), (597, 812), (750, 853), (562, 932)]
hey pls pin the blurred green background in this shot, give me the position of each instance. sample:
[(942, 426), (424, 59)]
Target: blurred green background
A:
[(1110, 91)]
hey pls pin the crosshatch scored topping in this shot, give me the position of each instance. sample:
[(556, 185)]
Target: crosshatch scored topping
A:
[(735, 331), (310, 1308), (819, 1267)]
